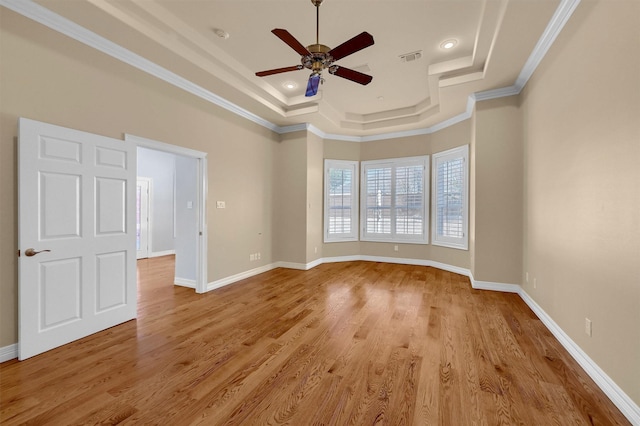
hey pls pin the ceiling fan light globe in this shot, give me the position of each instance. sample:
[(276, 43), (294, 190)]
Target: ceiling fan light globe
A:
[(312, 85)]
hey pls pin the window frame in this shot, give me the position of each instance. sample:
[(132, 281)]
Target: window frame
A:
[(393, 237), (439, 158), (354, 166)]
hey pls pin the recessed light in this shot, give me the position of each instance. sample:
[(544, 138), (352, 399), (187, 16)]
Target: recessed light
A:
[(448, 44), (221, 33), (290, 85)]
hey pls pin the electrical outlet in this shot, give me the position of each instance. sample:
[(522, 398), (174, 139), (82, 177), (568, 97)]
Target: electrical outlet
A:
[(251, 257), (220, 205), (587, 327), (526, 277), (258, 255), (315, 249), (535, 283), (395, 248)]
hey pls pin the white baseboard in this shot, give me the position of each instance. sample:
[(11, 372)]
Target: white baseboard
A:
[(293, 265), (162, 253), (341, 259), (400, 261), (8, 352), (238, 277), (184, 282), (488, 285), (396, 260), (315, 263), (625, 404), (451, 268)]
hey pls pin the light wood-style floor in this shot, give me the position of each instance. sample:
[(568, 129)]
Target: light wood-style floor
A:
[(355, 343)]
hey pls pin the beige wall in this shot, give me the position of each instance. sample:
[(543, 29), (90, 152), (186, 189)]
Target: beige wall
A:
[(498, 191), (582, 185), (395, 148), (48, 77), (340, 150), (315, 190), (290, 204)]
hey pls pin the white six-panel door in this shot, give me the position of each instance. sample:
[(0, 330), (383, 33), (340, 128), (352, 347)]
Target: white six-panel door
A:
[(77, 217)]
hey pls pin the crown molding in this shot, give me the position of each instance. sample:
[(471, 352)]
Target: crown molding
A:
[(44, 16), (556, 24), (346, 138), (497, 93), (293, 128)]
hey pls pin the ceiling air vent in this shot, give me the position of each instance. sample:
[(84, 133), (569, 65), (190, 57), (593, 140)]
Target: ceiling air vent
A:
[(410, 57), (362, 68)]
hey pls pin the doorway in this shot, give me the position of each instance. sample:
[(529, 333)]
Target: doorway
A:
[(189, 215)]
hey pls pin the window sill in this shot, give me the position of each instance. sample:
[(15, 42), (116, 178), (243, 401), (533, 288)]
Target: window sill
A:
[(382, 240), (340, 240), (450, 245)]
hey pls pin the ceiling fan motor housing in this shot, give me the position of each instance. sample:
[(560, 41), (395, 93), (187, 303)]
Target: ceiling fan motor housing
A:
[(319, 58)]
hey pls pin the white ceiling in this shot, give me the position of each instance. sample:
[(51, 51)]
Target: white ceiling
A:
[(494, 40)]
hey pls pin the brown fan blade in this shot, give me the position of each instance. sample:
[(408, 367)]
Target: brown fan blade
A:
[(286, 36), (279, 70), (352, 75), (358, 42)]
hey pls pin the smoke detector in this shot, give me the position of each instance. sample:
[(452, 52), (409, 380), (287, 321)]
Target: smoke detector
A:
[(410, 57)]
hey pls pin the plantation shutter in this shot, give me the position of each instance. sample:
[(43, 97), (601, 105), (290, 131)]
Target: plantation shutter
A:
[(394, 200), (450, 198), (341, 200), (409, 200), (378, 200)]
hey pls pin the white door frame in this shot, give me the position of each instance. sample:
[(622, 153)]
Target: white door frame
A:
[(149, 182), (201, 199)]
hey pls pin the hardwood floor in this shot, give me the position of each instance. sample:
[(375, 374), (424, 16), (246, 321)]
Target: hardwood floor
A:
[(355, 343)]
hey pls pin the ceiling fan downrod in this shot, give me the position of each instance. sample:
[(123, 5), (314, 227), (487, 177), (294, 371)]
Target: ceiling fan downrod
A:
[(317, 4), (319, 58)]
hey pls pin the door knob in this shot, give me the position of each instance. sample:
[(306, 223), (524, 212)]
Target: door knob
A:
[(31, 252)]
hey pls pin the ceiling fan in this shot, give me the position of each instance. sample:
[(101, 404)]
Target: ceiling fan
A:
[(318, 57)]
